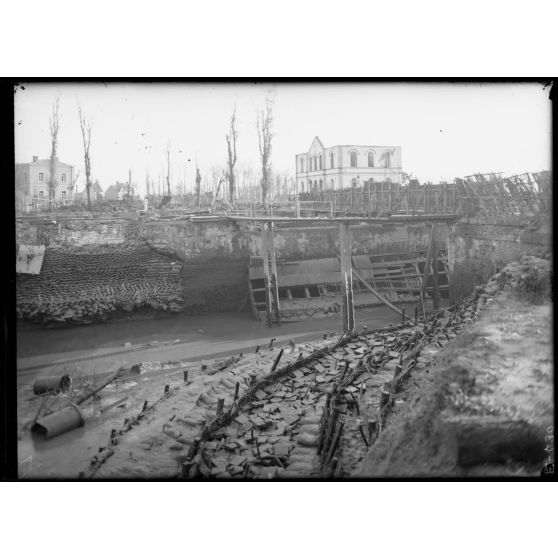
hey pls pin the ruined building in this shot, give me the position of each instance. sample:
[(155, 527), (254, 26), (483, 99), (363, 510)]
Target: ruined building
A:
[(345, 166)]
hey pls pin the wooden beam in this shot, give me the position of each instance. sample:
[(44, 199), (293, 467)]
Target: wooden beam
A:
[(267, 279), (427, 262), (346, 276), (376, 293), (435, 293), (274, 281)]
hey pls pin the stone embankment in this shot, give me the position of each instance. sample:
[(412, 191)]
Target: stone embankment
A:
[(83, 287)]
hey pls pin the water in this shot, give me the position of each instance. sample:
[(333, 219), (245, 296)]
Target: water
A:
[(218, 327)]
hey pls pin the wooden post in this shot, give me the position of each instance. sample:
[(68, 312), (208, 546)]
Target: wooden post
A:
[(274, 280), (297, 208), (267, 279), (346, 276), (427, 265), (220, 406), (185, 376), (435, 294)]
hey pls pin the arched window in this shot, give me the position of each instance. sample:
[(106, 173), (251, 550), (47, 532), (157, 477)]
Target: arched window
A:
[(315, 163), (315, 184), (320, 162), (302, 186), (331, 161), (353, 159), (321, 184), (387, 159), (302, 165), (370, 158), (332, 184)]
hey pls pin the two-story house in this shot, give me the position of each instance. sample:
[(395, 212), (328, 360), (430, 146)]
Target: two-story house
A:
[(32, 179), (345, 166)]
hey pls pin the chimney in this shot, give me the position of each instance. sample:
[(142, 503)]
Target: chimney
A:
[(35, 158)]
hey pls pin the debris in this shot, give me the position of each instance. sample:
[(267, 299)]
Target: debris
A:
[(48, 384)]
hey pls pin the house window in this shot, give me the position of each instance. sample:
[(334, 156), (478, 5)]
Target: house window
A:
[(302, 165), (41, 177), (387, 159), (331, 161), (63, 193), (25, 176), (41, 194), (332, 184), (353, 182), (353, 159), (302, 186), (370, 159), (321, 184), (315, 163), (63, 178), (315, 184), (320, 162)]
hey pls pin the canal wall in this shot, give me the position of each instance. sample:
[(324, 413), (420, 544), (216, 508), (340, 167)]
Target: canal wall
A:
[(478, 247), (212, 255)]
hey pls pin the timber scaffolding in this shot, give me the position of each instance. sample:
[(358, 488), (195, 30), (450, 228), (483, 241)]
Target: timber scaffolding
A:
[(432, 268), (489, 194)]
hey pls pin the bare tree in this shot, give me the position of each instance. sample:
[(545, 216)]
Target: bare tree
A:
[(86, 135), (198, 186), (264, 124), (231, 150), (168, 167), (54, 122), (72, 186)]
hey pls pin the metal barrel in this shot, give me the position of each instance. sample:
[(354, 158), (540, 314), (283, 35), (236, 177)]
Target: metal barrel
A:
[(68, 418), (52, 383)]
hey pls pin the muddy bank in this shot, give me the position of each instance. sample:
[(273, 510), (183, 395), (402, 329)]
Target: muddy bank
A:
[(485, 405)]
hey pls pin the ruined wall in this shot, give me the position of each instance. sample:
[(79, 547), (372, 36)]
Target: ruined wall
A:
[(477, 248), (214, 254), (75, 233)]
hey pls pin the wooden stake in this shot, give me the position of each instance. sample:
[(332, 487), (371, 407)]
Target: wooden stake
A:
[(220, 406), (277, 359), (185, 376)]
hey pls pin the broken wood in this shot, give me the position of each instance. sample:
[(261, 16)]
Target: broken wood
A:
[(376, 293), (104, 383)]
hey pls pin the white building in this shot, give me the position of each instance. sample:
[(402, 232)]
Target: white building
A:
[(343, 166)]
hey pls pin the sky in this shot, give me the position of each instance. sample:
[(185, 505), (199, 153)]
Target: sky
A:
[(445, 130)]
